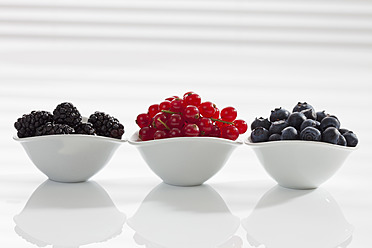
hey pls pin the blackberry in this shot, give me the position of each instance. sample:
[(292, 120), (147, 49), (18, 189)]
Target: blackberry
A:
[(66, 113), (28, 123), (85, 128), (106, 125), (54, 128)]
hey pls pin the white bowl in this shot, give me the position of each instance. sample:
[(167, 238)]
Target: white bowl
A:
[(185, 161), (300, 164), (70, 157), (297, 218)]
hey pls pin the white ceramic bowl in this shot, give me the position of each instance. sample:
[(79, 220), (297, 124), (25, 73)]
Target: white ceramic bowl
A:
[(300, 164), (71, 157), (185, 161)]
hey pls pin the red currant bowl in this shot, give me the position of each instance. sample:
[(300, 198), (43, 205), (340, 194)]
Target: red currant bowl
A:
[(185, 161)]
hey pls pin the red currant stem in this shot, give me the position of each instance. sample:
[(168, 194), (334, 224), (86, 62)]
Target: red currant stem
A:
[(165, 125), (227, 122), (169, 112)]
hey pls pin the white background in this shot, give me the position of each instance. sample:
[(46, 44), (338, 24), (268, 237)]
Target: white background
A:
[(122, 56)]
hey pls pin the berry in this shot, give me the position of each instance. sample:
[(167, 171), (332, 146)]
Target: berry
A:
[(241, 125), (205, 126), (329, 122), (192, 99), (309, 123), (175, 132), (228, 114), (302, 106), (216, 114), (275, 137), (85, 128), (153, 110), (309, 113), (259, 134), (351, 139), (321, 115), (143, 120), (215, 132), (66, 113), (279, 114), (343, 130), (277, 127), (165, 105), (28, 123), (289, 133), (310, 133), (159, 121), (191, 130), (187, 94), (230, 132), (341, 141), (331, 135), (191, 114), (171, 98), (51, 129), (175, 121), (207, 109), (177, 105), (106, 125), (261, 122), (160, 134), (146, 133), (295, 120)]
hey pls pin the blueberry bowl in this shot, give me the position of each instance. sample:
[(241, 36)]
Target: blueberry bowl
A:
[(71, 157), (300, 164), (185, 161)]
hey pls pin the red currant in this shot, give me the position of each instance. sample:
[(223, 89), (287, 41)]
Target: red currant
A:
[(153, 110), (143, 120), (228, 114), (187, 94), (165, 105), (193, 99), (205, 126), (171, 98), (177, 105), (191, 114), (160, 134), (230, 132), (216, 114), (241, 125), (159, 121), (191, 130), (221, 124), (175, 121), (175, 132), (215, 132), (207, 109), (146, 133)]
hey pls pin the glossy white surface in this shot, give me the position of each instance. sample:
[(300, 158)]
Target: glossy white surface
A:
[(288, 163), (185, 161)]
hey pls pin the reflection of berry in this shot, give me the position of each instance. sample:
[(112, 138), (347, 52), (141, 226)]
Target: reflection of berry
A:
[(66, 113), (106, 125), (50, 129), (28, 123)]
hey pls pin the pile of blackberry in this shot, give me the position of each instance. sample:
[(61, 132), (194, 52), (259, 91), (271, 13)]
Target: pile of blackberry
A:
[(304, 123), (66, 119)]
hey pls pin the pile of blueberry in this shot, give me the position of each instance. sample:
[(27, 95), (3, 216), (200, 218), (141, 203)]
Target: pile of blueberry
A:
[(302, 124)]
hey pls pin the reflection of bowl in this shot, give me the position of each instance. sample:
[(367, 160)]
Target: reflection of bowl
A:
[(69, 158), (300, 164), (69, 215), (291, 219), (183, 217), (185, 161)]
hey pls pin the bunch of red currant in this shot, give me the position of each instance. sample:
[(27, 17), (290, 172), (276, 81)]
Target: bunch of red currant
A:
[(189, 117)]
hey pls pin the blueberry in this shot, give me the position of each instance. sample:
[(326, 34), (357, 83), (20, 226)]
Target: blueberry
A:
[(259, 134), (321, 115), (279, 114), (261, 122), (311, 133), (274, 137), (295, 120), (278, 126), (329, 121), (309, 123), (289, 133), (309, 113), (343, 130), (351, 138), (302, 106), (341, 141), (331, 135)]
